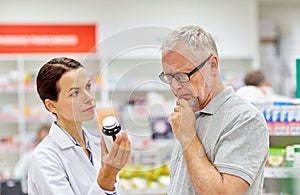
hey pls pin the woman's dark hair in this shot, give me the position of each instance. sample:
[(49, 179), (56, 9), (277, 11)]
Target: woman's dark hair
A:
[(49, 75)]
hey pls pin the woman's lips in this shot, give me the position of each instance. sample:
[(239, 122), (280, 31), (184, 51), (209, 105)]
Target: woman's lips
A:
[(90, 109)]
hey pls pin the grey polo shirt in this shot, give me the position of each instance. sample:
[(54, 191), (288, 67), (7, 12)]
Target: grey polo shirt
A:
[(236, 139)]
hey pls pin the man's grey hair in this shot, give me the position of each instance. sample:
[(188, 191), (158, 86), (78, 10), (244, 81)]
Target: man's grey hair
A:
[(195, 39)]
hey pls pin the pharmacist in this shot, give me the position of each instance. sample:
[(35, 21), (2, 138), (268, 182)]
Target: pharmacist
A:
[(68, 160)]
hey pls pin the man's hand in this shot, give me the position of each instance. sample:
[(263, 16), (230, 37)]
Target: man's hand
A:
[(183, 122)]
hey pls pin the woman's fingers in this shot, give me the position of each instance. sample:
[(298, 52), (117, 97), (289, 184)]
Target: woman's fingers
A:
[(124, 147), (127, 150), (104, 150), (119, 153), (117, 143)]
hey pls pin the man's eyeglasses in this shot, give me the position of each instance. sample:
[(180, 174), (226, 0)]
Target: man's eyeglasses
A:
[(180, 76)]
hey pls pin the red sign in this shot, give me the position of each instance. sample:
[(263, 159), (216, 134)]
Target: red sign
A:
[(47, 38)]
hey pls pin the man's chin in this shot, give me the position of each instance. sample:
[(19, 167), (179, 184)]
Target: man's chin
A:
[(194, 104)]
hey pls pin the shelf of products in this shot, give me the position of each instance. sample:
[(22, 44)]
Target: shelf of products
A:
[(144, 180), (148, 170), (132, 75), (283, 119), (279, 172)]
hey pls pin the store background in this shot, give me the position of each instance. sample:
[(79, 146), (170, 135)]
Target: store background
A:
[(250, 34)]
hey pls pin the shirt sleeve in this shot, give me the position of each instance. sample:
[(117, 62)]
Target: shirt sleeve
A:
[(243, 147), (96, 189)]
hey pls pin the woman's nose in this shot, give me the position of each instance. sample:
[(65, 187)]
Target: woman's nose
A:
[(89, 96)]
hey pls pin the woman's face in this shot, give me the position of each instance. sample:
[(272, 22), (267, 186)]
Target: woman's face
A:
[(76, 99)]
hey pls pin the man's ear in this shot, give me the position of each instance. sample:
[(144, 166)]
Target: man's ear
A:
[(50, 105), (214, 64)]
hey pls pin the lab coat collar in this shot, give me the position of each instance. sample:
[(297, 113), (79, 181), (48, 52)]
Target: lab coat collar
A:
[(61, 137), (64, 142)]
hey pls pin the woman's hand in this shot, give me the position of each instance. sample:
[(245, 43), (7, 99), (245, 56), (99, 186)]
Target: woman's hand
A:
[(113, 161)]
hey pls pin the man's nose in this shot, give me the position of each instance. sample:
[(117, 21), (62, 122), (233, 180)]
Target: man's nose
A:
[(175, 84)]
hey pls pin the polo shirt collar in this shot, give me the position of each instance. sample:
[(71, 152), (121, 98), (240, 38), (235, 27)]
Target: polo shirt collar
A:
[(215, 103)]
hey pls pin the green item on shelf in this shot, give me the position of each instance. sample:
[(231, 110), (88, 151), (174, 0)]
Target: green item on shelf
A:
[(276, 156), (289, 156)]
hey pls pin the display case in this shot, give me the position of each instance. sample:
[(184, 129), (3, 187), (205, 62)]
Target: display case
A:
[(283, 120)]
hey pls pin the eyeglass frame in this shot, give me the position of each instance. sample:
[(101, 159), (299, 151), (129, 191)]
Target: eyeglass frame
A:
[(188, 74)]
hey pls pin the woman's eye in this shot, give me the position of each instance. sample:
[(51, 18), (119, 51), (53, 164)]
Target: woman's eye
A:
[(75, 93), (89, 86)]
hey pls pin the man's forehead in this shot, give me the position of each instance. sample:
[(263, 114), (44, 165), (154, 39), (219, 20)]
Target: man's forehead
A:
[(174, 56)]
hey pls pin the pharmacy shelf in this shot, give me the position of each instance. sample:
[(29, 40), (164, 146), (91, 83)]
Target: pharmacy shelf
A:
[(279, 172), (10, 148), (283, 141)]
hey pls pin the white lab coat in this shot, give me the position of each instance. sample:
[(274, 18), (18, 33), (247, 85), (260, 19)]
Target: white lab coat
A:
[(60, 167)]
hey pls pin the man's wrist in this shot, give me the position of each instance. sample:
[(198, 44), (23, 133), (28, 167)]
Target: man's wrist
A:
[(188, 142), (195, 147)]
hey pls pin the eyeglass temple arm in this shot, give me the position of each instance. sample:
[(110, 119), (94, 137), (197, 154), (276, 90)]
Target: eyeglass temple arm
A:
[(199, 66)]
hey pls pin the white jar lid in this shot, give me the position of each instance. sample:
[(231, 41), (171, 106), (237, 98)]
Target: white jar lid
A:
[(109, 122)]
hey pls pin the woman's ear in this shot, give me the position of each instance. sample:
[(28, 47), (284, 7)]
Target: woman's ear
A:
[(50, 105)]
